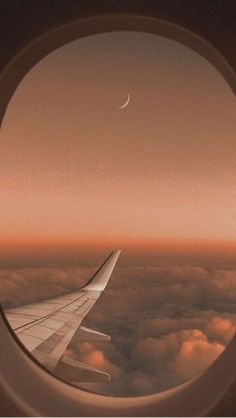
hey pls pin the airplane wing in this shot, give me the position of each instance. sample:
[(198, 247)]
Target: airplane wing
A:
[(46, 328)]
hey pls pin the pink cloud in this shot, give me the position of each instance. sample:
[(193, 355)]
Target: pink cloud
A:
[(221, 329), (195, 354)]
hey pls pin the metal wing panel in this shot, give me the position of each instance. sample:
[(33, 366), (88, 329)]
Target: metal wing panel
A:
[(28, 314), (56, 344), (35, 332), (47, 328)]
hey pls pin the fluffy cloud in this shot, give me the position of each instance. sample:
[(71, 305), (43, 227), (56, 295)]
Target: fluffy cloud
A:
[(26, 285), (195, 354), (220, 329), (167, 323)]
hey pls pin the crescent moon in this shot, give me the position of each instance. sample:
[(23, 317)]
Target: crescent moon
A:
[(126, 102)]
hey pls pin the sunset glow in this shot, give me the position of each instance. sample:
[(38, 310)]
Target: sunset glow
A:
[(74, 167)]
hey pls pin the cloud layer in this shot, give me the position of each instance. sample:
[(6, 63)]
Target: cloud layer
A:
[(167, 323)]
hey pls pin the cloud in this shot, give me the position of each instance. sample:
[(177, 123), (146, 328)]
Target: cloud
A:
[(26, 285), (220, 329), (195, 354), (92, 355), (167, 323)]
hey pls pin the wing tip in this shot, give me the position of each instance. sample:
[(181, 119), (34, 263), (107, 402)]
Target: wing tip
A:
[(100, 279)]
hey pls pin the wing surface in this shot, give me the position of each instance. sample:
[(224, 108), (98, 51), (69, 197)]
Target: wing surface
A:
[(46, 328)]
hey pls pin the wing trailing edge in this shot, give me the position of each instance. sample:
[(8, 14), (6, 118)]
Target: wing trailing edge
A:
[(90, 335), (75, 371)]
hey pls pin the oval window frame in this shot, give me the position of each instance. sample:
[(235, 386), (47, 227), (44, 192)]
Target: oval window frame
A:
[(49, 396)]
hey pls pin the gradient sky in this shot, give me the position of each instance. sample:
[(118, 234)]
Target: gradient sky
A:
[(76, 168)]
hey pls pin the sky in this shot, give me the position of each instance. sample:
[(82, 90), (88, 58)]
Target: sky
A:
[(75, 167), (80, 177)]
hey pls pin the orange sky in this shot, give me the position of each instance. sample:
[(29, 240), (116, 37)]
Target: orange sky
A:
[(76, 168)]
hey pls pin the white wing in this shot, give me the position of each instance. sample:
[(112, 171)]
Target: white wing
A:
[(46, 328)]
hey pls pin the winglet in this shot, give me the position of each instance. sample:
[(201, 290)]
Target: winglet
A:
[(100, 279)]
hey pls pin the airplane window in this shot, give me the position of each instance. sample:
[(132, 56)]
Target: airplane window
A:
[(121, 140)]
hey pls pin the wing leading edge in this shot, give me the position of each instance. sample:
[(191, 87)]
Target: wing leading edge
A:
[(46, 328)]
